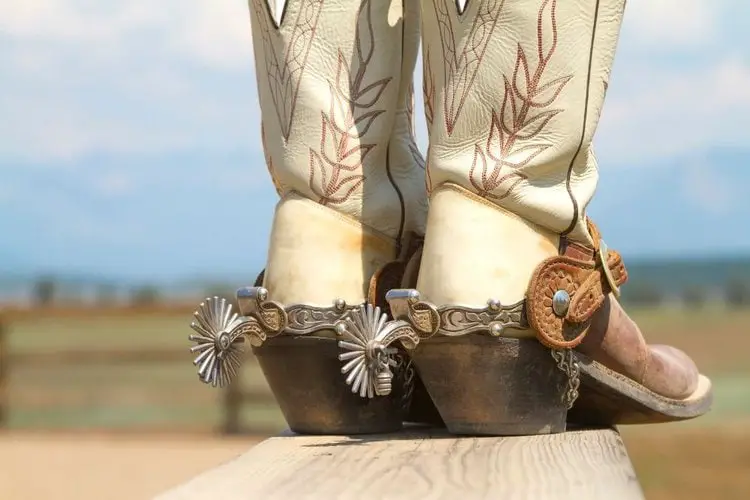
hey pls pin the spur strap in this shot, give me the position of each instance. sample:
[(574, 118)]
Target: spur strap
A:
[(392, 275), (566, 290)]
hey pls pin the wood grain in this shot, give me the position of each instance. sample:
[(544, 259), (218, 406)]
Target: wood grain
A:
[(419, 464)]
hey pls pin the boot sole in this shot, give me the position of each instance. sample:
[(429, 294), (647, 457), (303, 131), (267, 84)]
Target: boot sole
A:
[(609, 398), (504, 387)]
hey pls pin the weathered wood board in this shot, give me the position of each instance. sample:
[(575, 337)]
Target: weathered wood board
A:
[(423, 464)]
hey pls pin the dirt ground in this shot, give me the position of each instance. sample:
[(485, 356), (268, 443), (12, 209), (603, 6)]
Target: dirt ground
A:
[(122, 467), (678, 461)]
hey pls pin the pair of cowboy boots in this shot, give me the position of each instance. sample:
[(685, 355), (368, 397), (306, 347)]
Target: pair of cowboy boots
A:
[(493, 312)]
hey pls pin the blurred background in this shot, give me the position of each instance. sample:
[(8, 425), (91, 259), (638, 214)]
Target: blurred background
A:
[(130, 156)]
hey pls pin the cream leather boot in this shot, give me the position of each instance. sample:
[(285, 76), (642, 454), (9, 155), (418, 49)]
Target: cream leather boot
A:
[(513, 275), (335, 92)]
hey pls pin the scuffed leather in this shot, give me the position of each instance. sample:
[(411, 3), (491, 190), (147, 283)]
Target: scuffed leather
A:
[(335, 92), (596, 324), (513, 93), (616, 341), (317, 255), (475, 251)]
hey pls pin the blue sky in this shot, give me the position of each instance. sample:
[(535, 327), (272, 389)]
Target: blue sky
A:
[(129, 138)]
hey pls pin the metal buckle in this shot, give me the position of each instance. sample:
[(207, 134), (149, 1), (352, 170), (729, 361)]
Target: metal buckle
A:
[(603, 250)]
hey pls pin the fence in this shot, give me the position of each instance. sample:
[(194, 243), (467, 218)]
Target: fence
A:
[(232, 399)]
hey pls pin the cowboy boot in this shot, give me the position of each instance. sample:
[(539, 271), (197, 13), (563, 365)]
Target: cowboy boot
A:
[(516, 300), (335, 92)]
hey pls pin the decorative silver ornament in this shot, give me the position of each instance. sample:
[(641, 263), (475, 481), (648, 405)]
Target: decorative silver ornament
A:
[(560, 303), (368, 357), (453, 321), (219, 340)]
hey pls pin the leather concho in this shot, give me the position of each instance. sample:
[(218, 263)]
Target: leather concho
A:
[(566, 290)]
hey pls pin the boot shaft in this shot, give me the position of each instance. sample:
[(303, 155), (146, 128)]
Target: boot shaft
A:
[(334, 84), (513, 94)]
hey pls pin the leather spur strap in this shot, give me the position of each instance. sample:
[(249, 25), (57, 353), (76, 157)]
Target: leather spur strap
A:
[(566, 290), (393, 274)]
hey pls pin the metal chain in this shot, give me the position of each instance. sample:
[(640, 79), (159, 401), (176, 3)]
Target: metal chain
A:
[(567, 363), (406, 367)]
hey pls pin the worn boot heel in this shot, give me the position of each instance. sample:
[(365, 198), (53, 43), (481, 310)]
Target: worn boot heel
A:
[(482, 382), (333, 369), (493, 386), (359, 382), (294, 368)]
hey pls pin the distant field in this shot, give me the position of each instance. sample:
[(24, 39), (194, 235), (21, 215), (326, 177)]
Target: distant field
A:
[(705, 458), (678, 461), (168, 394), (124, 396)]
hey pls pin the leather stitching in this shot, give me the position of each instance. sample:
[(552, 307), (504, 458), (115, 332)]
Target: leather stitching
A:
[(574, 218), (587, 288)]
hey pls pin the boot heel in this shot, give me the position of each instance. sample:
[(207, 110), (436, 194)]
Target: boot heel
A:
[(332, 370), (480, 381), (304, 374), (493, 386)]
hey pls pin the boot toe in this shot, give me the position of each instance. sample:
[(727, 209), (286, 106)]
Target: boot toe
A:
[(671, 372)]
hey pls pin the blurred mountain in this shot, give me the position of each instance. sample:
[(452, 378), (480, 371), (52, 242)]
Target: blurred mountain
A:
[(696, 207), (165, 218)]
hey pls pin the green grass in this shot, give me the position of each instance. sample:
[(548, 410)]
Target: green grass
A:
[(118, 332)]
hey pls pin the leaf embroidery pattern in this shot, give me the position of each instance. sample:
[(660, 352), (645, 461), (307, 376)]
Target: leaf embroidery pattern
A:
[(284, 73), (336, 170), (460, 68), (523, 116)]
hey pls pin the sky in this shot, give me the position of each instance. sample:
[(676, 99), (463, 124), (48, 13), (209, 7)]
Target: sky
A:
[(130, 145)]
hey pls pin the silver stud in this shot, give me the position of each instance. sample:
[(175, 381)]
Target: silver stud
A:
[(496, 329), (340, 328), (560, 303)]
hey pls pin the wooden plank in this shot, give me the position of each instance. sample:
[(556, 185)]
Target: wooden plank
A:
[(419, 464)]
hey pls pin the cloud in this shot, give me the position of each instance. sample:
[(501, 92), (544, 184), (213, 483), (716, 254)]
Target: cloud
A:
[(669, 24), (666, 113), (680, 83), (81, 77), (217, 33)]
